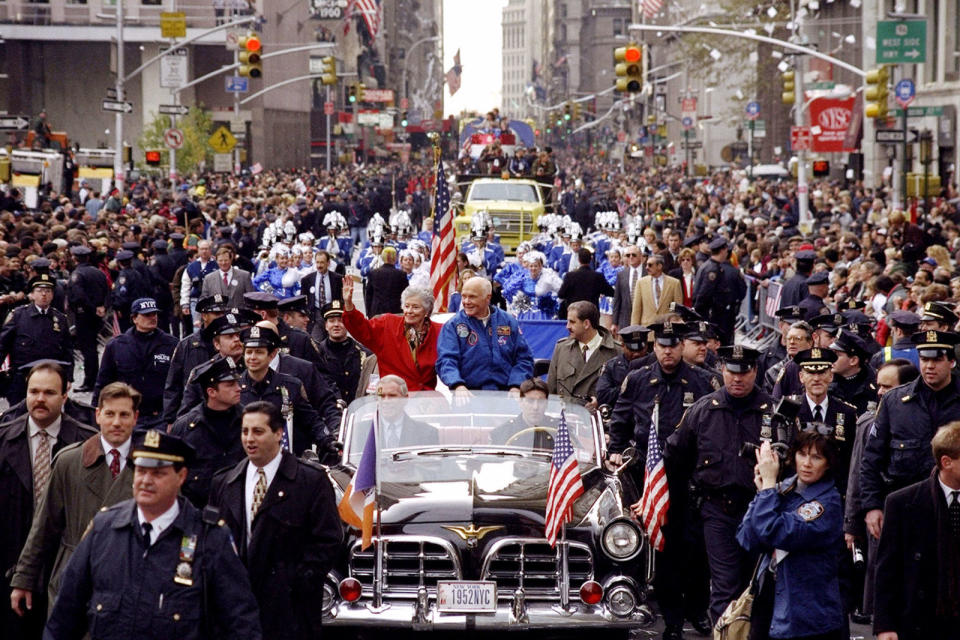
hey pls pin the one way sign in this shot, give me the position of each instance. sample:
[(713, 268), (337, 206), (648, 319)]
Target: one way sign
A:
[(117, 106), (15, 123), (174, 109)]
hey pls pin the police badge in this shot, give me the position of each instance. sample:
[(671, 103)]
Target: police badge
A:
[(184, 574), (687, 398), (839, 431), (766, 427)]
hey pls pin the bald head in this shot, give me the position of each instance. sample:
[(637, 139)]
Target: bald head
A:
[(475, 297)]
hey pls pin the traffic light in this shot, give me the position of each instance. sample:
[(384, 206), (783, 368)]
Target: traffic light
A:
[(352, 93), (821, 168), (152, 157), (788, 96), (567, 112), (329, 70), (361, 91), (251, 51), (576, 111), (629, 68), (403, 118), (876, 92)]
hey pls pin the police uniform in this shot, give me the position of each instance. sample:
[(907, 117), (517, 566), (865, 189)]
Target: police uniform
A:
[(718, 290), (214, 435), (350, 362), (812, 305), (29, 334), (908, 322), (705, 450), (615, 370), (162, 272), (87, 290), (859, 389), (142, 360), (898, 453), (293, 341), (187, 584), (130, 285), (795, 289), (776, 353), (483, 355)]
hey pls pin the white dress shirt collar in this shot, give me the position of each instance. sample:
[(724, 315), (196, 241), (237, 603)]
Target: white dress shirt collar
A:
[(124, 450), (813, 406), (33, 429), (162, 522), (270, 470)]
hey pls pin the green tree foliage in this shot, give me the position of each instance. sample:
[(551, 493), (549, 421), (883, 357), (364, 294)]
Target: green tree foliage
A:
[(196, 126)]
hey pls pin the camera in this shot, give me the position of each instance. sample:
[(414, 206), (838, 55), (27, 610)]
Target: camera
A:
[(779, 431)]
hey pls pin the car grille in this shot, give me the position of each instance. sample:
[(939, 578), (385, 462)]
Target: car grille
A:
[(409, 563), (509, 222), (531, 564)]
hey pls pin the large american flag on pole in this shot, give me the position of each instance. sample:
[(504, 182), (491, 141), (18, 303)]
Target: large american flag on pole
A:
[(369, 9), (443, 254), (650, 7), (565, 485), (655, 500)]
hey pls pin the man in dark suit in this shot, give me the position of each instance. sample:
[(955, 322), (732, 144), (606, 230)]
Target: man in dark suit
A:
[(918, 563), (385, 284), (227, 280), (320, 287), (27, 447), (583, 284), (283, 516), (397, 429), (626, 284)]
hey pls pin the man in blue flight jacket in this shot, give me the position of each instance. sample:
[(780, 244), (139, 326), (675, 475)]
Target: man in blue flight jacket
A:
[(481, 346)]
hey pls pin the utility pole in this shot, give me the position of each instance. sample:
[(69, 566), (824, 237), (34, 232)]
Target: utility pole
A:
[(327, 100), (173, 124), (121, 97)]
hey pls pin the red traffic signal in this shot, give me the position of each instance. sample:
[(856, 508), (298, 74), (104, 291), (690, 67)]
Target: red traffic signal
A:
[(251, 43), (152, 158), (632, 54)]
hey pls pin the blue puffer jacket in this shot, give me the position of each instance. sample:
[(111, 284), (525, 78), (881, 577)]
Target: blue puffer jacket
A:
[(494, 356), (808, 524)]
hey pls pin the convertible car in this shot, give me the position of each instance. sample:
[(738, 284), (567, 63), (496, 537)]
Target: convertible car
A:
[(459, 540)]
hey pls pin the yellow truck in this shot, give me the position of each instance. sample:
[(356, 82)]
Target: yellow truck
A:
[(513, 204)]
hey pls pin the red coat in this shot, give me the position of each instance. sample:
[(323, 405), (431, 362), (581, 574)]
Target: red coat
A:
[(384, 336)]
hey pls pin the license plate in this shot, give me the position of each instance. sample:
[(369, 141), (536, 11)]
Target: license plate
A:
[(466, 597)]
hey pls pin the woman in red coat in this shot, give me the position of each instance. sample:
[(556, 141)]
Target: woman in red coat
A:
[(405, 344)]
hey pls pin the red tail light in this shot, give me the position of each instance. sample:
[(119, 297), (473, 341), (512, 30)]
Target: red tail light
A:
[(590, 592), (350, 589)]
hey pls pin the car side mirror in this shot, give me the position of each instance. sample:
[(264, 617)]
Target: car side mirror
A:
[(629, 457)]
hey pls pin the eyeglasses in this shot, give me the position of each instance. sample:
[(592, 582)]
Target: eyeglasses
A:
[(631, 255), (797, 339)]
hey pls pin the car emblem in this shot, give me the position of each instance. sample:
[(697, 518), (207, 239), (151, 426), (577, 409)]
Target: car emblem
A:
[(471, 535)]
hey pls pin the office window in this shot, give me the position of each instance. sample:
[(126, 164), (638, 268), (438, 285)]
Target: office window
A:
[(618, 26)]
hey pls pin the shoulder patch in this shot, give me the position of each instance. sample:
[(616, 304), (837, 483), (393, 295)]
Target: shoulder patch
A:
[(712, 275), (810, 511), (211, 515), (623, 385), (715, 383)]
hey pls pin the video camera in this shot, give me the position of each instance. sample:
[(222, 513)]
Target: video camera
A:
[(779, 432)]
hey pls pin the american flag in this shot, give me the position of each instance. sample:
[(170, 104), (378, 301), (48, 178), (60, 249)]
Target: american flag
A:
[(565, 485), (650, 7), (774, 289), (443, 254), (369, 9), (656, 494), (453, 75)]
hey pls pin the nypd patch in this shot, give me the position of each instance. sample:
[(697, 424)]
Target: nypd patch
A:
[(810, 511)]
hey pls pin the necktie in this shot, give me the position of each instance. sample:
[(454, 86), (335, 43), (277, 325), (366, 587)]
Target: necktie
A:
[(633, 279), (954, 511), (146, 527), (259, 492), (656, 292), (115, 463), (226, 282), (41, 465), (321, 291), (583, 351), (818, 414)]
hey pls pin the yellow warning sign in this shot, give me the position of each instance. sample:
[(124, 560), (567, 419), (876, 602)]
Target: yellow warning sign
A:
[(222, 140), (173, 24)]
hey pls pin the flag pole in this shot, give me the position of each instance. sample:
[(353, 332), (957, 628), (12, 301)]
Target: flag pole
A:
[(378, 604), (564, 548)]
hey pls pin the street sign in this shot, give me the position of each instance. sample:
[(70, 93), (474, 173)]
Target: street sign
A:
[(173, 138), (404, 103), (895, 136), (173, 24), (687, 123), (222, 162), (905, 92), (328, 108), (14, 123), (238, 127), (919, 112), (236, 84), (232, 39), (800, 138), (753, 109), (173, 109), (173, 69), (222, 141), (692, 144), (378, 95), (111, 93), (821, 86), (901, 41), (116, 106)]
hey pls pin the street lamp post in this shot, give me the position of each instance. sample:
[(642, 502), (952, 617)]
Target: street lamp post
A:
[(121, 97), (407, 56)]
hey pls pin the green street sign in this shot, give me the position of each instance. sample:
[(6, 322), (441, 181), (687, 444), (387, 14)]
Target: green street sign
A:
[(821, 86), (919, 112), (901, 41)]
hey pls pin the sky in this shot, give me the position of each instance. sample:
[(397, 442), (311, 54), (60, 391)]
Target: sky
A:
[(473, 26)]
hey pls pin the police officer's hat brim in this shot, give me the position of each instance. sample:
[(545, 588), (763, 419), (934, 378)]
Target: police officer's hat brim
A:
[(150, 461), (739, 366)]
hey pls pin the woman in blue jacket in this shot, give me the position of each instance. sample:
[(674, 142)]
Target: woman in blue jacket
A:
[(796, 526)]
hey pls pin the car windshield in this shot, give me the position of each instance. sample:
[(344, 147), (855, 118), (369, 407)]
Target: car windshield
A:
[(513, 191), (457, 441)]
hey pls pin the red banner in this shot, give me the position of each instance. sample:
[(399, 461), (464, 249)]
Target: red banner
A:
[(832, 118)]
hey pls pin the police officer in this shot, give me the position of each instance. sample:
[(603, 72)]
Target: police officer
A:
[(853, 380), (87, 294), (130, 285), (293, 311), (351, 363), (212, 428), (795, 289), (898, 451), (162, 270), (696, 350), (177, 253), (718, 290), (615, 370), (818, 285), (35, 331), (140, 356), (705, 449), (903, 324), (154, 567), (825, 328), (937, 316), (190, 352), (293, 341), (777, 352), (784, 377)]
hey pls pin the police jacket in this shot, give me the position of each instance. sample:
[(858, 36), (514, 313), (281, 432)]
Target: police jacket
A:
[(189, 352), (142, 360), (805, 522), (794, 290), (859, 390), (612, 375), (706, 445), (813, 306), (898, 452), (116, 587), (88, 289), (131, 285), (852, 506), (491, 355), (788, 381), (642, 389), (347, 361), (718, 290), (29, 335), (287, 394), (901, 349), (215, 438), (842, 416)]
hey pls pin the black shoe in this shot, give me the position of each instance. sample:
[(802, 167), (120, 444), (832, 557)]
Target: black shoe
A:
[(701, 624), (673, 633)]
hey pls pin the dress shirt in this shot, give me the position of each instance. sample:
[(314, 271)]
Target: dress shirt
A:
[(947, 490), (592, 345), (270, 469), (813, 406), (33, 429), (161, 522), (124, 450)]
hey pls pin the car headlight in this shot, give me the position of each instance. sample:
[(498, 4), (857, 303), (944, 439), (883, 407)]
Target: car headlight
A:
[(621, 540)]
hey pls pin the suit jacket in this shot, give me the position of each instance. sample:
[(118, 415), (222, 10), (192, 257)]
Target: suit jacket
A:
[(623, 299), (413, 433), (644, 310), (80, 485), (908, 563), (240, 283), (382, 292), (583, 284), (308, 287), (292, 545), (17, 507), (569, 376)]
